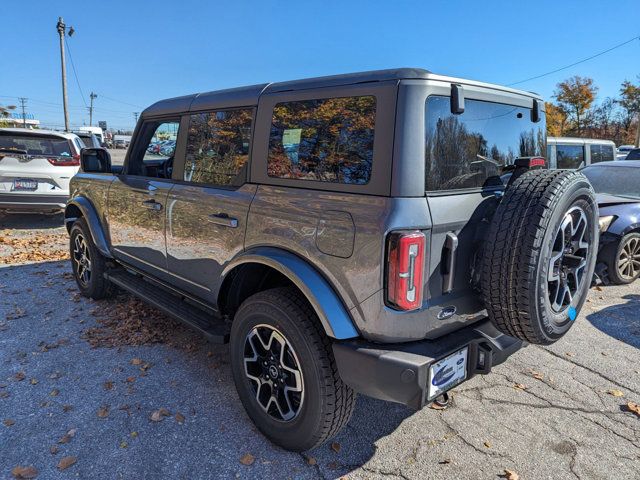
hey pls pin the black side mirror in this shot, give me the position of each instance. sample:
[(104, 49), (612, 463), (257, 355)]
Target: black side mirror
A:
[(457, 99), (535, 111), (95, 160)]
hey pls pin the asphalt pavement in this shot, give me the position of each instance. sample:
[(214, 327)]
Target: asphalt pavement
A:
[(71, 407)]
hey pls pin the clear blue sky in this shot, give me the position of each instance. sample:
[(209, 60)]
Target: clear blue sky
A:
[(137, 52)]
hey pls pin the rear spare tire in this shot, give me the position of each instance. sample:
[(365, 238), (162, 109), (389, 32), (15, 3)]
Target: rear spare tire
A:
[(540, 255)]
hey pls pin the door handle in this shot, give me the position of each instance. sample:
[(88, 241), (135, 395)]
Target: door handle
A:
[(450, 247), (223, 219), (152, 205)]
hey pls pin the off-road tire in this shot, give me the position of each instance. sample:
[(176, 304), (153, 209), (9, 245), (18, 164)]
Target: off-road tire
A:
[(518, 252), (612, 257), (328, 402), (97, 287)]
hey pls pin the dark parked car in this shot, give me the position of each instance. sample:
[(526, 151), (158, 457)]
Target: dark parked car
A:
[(371, 232), (617, 186), (633, 154)]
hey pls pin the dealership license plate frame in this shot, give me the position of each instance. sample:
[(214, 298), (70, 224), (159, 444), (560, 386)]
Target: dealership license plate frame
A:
[(25, 185), (459, 374)]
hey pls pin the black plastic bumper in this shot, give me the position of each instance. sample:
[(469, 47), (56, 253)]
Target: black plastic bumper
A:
[(400, 372), (32, 202)]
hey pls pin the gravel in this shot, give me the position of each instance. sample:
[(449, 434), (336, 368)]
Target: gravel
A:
[(547, 412)]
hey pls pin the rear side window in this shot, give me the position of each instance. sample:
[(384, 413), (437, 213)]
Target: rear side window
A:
[(601, 153), (469, 150), (633, 155), (218, 147), (570, 156), (327, 140), (34, 145)]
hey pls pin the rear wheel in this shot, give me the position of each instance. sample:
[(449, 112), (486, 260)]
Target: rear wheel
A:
[(285, 373), (87, 263), (623, 262), (544, 239)]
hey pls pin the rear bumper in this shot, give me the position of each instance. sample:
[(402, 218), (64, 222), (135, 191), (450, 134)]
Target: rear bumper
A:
[(400, 372), (32, 202)]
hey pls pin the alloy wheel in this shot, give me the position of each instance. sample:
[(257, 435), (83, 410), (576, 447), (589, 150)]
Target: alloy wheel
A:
[(82, 259), (273, 369), (568, 261), (629, 259)]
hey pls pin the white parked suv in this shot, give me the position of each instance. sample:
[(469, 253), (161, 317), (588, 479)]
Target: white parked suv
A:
[(35, 169)]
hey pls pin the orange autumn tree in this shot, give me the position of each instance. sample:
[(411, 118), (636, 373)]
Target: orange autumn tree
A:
[(575, 96)]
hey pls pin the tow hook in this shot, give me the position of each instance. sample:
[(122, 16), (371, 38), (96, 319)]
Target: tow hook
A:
[(443, 401)]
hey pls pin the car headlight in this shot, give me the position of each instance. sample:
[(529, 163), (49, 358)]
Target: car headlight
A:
[(604, 222)]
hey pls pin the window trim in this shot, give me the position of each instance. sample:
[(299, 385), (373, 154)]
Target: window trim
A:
[(178, 170), (490, 189), (380, 179)]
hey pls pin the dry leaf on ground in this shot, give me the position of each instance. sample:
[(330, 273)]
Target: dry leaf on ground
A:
[(520, 386), (247, 459), (510, 474), (537, 375), (66, 462), (9, 422), (179, 418), (19, 376), (616, 393), (66, 438), (335, 446), (21, 472), (158, 415), (136, 361), (311, 461), (633, 407), (103, 411)]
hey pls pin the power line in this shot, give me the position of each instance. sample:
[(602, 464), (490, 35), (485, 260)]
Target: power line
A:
[(75, 74), (576, 63), (120, 101)]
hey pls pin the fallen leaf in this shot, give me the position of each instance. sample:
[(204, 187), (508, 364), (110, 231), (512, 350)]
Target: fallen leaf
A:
[(598, 288), (616, 393), (311, 461), (436, 406), (487, 444), (19, 376), (134, 434), (569, 354), (21, 472), (55, 392), (67, 408), (9, 422), (446, 461), (633, 407), (66, 438), (54, 449), (158, 415), (247, 459), (124, 444), (537, 375), (103, 411), (136, 361), (34, 381), (66, 462), (108, 385), (520, 386), (179, 418), (131, 379), (510, 474), (335, 446)]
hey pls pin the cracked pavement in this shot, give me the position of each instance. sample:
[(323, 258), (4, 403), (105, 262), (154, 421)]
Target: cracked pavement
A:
[(547, 412)]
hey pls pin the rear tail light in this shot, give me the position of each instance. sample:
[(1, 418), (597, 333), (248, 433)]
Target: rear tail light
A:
[(72, 161), (405, 269)]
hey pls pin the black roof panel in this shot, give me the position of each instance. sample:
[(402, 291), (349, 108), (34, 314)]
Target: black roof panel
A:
[(246, 96)]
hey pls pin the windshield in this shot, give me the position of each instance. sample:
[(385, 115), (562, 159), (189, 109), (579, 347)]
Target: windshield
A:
[(35, 145), (633, 155), (470, 150), (619, 181)]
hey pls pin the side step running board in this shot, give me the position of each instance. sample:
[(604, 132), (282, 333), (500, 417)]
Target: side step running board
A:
[(212, 327)]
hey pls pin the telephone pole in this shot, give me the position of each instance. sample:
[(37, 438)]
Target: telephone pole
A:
[(61, 27), (135, 115), (23, 104), (92, 96)]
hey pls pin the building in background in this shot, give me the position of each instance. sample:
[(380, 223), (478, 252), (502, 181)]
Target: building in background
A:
[(14, 119)]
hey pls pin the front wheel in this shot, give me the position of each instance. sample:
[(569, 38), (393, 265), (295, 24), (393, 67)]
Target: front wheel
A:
[(285, 373), (623, 261)]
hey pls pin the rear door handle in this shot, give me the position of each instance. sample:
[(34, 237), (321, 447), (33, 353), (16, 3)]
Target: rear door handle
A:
[(450, 247), (223, 219), (152, 205)]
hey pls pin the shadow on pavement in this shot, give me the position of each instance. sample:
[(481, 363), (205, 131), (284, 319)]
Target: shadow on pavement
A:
[(621, 321), (30, 221)]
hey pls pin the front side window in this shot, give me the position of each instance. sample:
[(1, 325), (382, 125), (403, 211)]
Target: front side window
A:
[(469, 150), (218, 147), (154, 149), (601, 153), (325, 140), (570, 156)]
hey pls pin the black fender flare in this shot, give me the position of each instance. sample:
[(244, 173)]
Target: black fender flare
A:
[(93, 222), (324, 300)]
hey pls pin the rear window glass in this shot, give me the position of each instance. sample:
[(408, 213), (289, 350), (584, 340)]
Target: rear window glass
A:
[(469, 150), (37, 145), (601, 153), (327, 140), (570, 156)]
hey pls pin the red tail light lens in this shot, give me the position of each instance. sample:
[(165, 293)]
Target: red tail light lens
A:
[(73, 161), (405, 269)]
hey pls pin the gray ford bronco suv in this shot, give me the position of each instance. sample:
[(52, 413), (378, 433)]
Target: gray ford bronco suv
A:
[(392, 233)]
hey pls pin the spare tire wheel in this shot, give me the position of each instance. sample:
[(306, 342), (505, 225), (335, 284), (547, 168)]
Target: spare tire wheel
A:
[(540, 255)]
